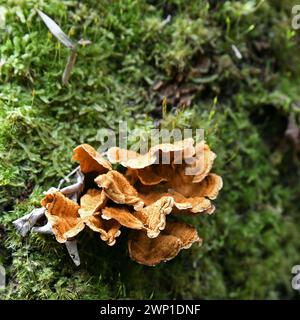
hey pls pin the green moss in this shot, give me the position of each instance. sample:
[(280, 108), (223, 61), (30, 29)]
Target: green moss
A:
[(252, 241)]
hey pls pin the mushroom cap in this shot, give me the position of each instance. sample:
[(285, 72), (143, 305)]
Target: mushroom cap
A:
[(66, 223), (62, 214), (151, 219), (91, 202), (90, 160), (189, 197), (154, 215), (123, 216), (109, 230), (118, 189), (175, 237), (134, 160), (151, 252)]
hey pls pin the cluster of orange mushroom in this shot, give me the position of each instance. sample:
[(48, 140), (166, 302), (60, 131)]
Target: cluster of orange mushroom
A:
[(170, 180)]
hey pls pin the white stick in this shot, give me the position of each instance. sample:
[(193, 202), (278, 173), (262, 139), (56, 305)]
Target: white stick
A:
[(25, 223), (46, 229), (71, 246)]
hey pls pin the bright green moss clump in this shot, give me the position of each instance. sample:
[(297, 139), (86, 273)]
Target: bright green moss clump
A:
[(253, 239)]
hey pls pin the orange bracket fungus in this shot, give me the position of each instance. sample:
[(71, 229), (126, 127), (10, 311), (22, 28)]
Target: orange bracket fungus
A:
[(156, 188)]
